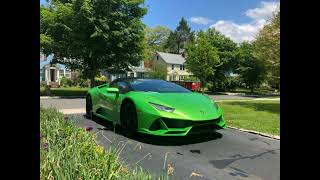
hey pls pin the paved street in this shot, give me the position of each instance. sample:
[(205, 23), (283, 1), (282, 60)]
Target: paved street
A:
[(225, 154), (67, 103)]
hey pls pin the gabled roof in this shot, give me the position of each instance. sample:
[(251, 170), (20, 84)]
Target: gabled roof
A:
[(48, 61), (172, 58)]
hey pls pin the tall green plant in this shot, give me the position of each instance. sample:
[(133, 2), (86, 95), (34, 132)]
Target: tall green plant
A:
[(179, 38), (252, 70), (202, 59), (267, 49)]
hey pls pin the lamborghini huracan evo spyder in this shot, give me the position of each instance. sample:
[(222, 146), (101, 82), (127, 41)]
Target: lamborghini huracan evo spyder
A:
[(154, 107)]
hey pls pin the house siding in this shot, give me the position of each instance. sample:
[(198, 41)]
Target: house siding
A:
[(172, 74)]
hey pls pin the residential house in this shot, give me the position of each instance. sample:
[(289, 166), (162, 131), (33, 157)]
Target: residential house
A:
[(134, 71), (52, 73), (175, 63)]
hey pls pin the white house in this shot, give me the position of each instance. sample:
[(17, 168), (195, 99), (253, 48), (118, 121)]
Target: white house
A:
[(135, 71), (52, 73), (175, 63)]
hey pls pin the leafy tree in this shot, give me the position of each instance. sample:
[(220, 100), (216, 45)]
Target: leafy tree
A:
[(171, 43), (158, 71), (202, 58), (226, 52), (93, 35), (252, 70), (180, 37), (267, 49), (65, 82), (155, 38)]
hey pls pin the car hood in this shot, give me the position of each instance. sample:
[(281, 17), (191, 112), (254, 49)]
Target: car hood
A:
[(193, 106)]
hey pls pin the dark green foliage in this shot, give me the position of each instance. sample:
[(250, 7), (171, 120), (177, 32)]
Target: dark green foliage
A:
[(179, 38), (252, 70), (93, 35)]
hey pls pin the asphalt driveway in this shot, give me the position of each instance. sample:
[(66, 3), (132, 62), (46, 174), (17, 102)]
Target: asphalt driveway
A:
[(225, 154)]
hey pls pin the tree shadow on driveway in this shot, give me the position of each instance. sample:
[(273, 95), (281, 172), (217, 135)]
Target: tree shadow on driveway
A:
[(160, 140), (223, 163)]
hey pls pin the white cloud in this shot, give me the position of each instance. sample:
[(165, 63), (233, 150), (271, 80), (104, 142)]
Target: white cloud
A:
[(247, 31), (200, 20), (264, 11)]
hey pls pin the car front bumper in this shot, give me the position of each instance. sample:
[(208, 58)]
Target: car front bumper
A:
[(163, 126)]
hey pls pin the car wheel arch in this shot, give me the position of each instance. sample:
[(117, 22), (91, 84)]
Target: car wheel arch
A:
[(124, 101)]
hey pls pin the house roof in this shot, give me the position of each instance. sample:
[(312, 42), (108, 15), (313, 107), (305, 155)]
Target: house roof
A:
[(47, 63), (172, 58)]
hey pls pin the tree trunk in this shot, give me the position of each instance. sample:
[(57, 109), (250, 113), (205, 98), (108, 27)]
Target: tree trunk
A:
[(251, 89), (92, 82), (202, 85)]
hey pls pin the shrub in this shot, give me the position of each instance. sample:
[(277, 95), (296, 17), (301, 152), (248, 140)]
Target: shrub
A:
[(65, 82), (69, 152), (80, 82), (45, 91), (190, 78), (100, 80), (158, 71), (42, 84), (70, 91)]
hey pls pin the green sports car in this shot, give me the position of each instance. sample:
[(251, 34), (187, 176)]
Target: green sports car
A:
[(154, 107)]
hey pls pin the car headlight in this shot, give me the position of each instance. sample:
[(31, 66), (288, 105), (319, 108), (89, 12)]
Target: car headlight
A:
[(162, 108)]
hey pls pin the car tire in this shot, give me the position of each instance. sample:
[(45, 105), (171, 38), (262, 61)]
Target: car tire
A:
[(89, 113), (130, 122)]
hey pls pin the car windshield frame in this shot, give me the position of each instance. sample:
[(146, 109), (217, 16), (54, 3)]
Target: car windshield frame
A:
[(170, 88)]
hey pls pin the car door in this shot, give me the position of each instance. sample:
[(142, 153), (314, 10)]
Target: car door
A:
[(101, 102), (111, 102)]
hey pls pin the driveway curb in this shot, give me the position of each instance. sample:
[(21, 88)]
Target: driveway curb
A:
[(257, 99), (252, 95), (256, 132)]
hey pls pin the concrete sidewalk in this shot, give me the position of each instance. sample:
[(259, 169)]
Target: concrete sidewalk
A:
[(73, 111)]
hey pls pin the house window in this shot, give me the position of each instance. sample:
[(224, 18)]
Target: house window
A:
[(157, 57), (172, 66), (180, 67)]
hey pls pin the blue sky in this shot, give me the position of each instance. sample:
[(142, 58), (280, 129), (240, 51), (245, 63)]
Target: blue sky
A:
[(169, 12), (238, 19)]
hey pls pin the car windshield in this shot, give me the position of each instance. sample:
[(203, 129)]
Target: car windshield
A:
[(154, 85)]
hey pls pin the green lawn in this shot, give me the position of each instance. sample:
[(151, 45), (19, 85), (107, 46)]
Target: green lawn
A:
[(262, 116), (71, 91)]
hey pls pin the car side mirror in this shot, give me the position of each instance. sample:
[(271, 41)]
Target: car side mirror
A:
[(113, 90)]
